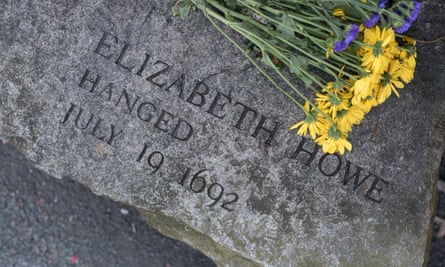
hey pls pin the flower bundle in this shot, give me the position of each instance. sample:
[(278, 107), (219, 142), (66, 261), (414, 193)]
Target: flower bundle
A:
[(350, 53)]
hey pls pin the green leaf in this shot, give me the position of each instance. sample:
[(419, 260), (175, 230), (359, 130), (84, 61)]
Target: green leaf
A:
[(285, 27), (231, 4), (182, 8), (306, 80), (266, 59), (297, 66)]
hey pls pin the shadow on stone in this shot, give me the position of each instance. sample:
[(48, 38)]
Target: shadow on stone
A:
[(437, 251)]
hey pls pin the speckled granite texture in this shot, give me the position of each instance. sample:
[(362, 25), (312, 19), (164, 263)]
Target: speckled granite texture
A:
[(166, 115)]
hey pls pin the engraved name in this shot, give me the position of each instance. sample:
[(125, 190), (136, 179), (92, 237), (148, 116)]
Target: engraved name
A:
[(208, 100)]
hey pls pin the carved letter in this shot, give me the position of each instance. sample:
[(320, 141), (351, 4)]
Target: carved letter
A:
[(300, 149), (374, 188), (107, 90), (67, 115), (201, 95), (139, 112), (270, 132), (180, 84), (96, 127), (78, 119), (219, 105), (92, 80), (163, 120), (355, 175), (144, 64), (246, 111), (185, 128), (337, 169), (113, 136), (162, 71), (121, 56), (130, 106), (102, 44)]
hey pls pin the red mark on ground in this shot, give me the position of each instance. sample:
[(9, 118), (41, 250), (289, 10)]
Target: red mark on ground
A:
[(74, 259)]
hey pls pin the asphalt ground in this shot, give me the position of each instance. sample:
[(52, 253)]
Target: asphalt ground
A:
[(46, 221)]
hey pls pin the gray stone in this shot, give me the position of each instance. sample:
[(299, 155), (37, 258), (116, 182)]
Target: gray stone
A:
[(220, 169)]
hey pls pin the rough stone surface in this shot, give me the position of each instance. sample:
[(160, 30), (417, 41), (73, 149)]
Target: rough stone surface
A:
[(180, 126)]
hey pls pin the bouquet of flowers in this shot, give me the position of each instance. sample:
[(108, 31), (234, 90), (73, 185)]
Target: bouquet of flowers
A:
[(351, 53)]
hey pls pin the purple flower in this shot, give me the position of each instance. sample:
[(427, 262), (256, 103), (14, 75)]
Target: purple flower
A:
[(412, 17), (352, 33), (382, 3), (340, 46), (350, 36), (403, 28), (374, 19), (416, 11)]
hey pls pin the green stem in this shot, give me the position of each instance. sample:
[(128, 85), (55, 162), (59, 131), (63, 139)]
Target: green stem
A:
[(260, 69), (258, 40), (264, 73)]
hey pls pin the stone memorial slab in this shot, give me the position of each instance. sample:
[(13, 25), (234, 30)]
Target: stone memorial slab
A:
[(168, 116)]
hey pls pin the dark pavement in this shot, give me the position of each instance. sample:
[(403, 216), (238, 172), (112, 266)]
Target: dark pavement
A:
[(49, 222)]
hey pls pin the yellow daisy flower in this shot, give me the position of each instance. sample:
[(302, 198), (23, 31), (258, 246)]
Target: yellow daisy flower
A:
[(408, 61), (409, 40), (367, 104), (407, 69), (329, 52), (314, 123), (390, 82), (364, 87), (349, 117), (380, 48), (332, 103), (333, 141), (339, 12)]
